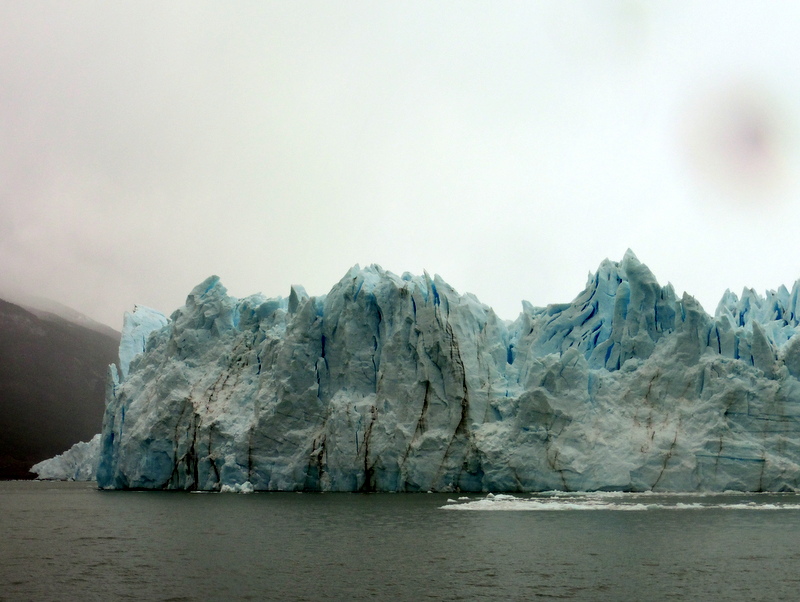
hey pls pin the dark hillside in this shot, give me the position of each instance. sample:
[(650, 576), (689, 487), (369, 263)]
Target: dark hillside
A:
[(52, 383)]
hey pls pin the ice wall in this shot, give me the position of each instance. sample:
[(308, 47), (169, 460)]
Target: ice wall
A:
[(401, 384), (78, 463)]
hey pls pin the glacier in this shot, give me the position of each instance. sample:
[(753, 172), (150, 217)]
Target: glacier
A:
[(78, 463), (399, 383)]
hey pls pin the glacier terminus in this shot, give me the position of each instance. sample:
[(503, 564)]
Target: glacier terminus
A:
[(399, 383)]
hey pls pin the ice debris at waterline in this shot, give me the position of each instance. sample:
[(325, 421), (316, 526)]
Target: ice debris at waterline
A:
[(394, 383), (624, 502)]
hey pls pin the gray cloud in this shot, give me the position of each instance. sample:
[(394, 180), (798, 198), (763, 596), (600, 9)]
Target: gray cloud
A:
[(509, 147)]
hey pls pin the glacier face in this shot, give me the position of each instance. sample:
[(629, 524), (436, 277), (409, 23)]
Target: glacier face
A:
[(392, 383), (78, 463)]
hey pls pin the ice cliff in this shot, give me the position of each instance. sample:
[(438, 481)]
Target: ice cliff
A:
[(393, 383), (78, 463)]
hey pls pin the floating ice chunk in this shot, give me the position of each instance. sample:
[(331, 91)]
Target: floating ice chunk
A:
[(246, 487), (622, 503)]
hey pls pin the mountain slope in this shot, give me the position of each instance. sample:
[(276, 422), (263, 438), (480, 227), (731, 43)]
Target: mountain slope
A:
[(52, 383)]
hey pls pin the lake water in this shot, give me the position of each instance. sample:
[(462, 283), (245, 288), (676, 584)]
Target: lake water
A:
[(69, 541)]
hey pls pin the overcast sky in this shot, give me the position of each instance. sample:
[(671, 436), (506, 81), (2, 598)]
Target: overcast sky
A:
[(508, 147)]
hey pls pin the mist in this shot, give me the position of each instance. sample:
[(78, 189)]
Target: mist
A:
[(508, 147)]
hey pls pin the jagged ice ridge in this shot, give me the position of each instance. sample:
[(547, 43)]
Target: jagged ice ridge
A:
[(401, 384)]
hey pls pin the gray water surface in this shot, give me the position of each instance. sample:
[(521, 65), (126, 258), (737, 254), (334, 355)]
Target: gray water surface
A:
[(69, 541)]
